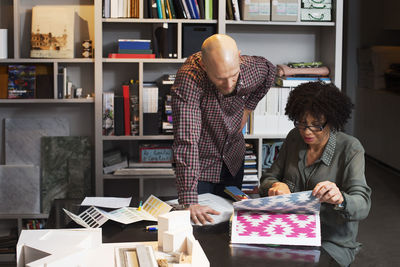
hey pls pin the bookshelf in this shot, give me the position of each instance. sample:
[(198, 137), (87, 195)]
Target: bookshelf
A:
[(282, 42)]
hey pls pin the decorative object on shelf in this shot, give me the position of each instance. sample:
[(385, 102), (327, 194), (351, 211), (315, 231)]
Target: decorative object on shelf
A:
[(3, 43), (52, 33), (155, 154), (65, 168), (87, 49), (21, 81)]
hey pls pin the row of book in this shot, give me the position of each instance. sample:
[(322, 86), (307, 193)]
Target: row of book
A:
[(121, 110), (181, 9), (120, 8)]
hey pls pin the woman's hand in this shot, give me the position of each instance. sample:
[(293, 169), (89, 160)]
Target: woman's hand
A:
[(328, 192), (278, 188)]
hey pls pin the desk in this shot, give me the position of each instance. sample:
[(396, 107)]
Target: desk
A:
[(214, 240)]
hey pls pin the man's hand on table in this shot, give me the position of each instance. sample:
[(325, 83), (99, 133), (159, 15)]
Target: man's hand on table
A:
[(200, 214)]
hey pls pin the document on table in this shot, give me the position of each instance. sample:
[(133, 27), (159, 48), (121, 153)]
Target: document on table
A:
[(223, 205), (94, 217), (107, 202)]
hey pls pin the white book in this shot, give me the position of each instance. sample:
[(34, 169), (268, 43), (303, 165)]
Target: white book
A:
[(236, 11), (114, 8)]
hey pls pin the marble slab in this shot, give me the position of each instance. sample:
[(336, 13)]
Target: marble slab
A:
[(19, 189), (22, 138), (66, 168)]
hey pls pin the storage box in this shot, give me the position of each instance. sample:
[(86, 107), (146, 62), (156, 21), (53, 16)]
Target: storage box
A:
[(315, 14), (316, 3), (256, 10), (193, 36), (284, 10)]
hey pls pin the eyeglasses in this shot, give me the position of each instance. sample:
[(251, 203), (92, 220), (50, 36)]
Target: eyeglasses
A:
[(312, 128)]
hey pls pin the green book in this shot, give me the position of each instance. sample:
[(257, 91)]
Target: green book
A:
[(135, 51)]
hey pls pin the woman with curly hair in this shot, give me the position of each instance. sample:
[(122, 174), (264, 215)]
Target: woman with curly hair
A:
[(317, 156)]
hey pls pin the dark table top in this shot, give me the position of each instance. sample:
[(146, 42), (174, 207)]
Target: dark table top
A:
[(214, 239), (215, 242)]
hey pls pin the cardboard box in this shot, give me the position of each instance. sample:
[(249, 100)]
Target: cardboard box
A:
[(316, 4), (256, 10), (284, 10)]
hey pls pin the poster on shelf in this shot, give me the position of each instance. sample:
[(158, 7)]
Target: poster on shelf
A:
[(52, 32)]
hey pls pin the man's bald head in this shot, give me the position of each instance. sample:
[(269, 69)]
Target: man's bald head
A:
[(221, 60)]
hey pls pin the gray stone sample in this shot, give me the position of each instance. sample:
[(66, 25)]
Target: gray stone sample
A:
[(19, 189), (22, 138)]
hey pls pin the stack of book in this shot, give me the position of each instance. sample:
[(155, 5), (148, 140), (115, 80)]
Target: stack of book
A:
[(113, 161), (296, 73), (250, 177), (133, 48), (139, 168)]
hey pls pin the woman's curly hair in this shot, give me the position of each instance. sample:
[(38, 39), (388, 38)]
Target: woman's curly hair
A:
[(319, 100)]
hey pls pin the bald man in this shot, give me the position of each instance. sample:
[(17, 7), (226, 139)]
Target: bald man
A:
[(214, 92)]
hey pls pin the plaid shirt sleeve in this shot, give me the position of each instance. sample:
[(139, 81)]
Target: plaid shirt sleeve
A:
[(187, 128), (268, 71)]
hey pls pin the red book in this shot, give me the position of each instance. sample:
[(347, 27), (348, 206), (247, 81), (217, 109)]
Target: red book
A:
[(116, 55), (127, 112)]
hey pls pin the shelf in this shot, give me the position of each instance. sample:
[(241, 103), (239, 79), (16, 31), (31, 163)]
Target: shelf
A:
[(278, 23), (139, 176), (265, 136), (144, 60), (47, 60), (24, 216), (47, 101), (133, 20), (136, 137)]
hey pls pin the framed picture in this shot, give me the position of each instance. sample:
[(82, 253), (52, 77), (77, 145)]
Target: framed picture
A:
[(155, 154)]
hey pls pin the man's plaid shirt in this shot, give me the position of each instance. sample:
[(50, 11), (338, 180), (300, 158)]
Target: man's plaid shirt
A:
[(207, 124)]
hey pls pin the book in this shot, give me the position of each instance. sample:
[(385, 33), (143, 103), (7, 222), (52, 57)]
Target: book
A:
[(235, 193), (135, 51), (119, 121), (115, 55), (108, 113), (290, 219), (134, 102), (208, 9), (134, 44), (235, 9), (179, 9), (21, 81), (52, 32), (127, 113), (3, 82)]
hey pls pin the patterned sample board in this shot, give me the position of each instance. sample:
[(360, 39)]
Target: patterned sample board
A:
[(291, 219), (301, 202), (94, 217)]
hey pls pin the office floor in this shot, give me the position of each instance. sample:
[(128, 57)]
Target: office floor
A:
[(380, 232)]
